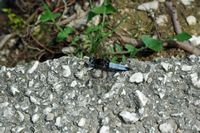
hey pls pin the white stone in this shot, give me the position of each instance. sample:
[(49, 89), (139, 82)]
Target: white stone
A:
[(161, 20), (34, 67), (50, 117), (153, 5), (104, 129), (68, 50), (195, 80), (35, 118), (186, 68), (165, 66), (21, 116), (168, 127), (142, 98), (129, 117), (162, 0), (186, 2), (136, 78), (34, 100), (14, 89), (73, 83), (58, 122), (82, 122), (47, 110), (67, 71), (195, 40), (191, 20)]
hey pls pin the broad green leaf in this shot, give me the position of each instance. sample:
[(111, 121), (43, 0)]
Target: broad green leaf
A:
[(104, 9), (131, 49), (182, 37), (118, 47), (62, 35), (47, 15), (151, 43)]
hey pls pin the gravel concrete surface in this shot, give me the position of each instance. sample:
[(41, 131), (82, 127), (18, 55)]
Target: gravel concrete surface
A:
[(63, 96)]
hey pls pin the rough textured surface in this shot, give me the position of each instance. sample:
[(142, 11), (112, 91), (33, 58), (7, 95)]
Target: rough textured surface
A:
[(64, 96)]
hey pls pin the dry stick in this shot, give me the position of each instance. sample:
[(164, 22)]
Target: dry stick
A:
[(187, 46)]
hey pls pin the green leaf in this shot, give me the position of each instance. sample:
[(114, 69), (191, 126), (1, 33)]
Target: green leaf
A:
[(104, 9), (131, 49), (118, 47), (123, 58), (47, 15), (114, 59), (151, 43), (182, 37), (62, 35)]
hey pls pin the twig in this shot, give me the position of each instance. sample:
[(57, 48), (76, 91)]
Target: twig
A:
[(47, 49), (5, 39), (174, 16)]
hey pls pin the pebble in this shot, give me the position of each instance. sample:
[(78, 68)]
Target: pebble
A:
[(129, 117), (49, 117), (153, 5), (34, 100), (67, 71), (195, 80), (14, 89), (195, 40), (104, 129), (97, 74), (33, 68), (168, 127), (21, 116), (186, 2), (186, 68), (74, 83), (68, 50), (165, 66), (161, 20), (82, 122), (136, 78), (35, 118), (141, 97), (191, 20), (58, 122)]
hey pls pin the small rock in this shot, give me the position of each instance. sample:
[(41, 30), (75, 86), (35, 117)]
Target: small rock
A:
[(67, 71), (141, 97), (129, 117), (148, 6), (165, 66), (21, 116), (168, 127), (34, 100), (97, 74), (195, 40), (195, 80), (2, 129), (50, 117), (136, 78), (35, 118), (14, 89), (82, 122), (58, 122), (161, 20), (191, 20), (33, 68), (104, 129), (186, 2), (74, 83), (68, 50), (186, 68)]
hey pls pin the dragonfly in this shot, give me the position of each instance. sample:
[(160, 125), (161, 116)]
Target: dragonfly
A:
[(105, 64)]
